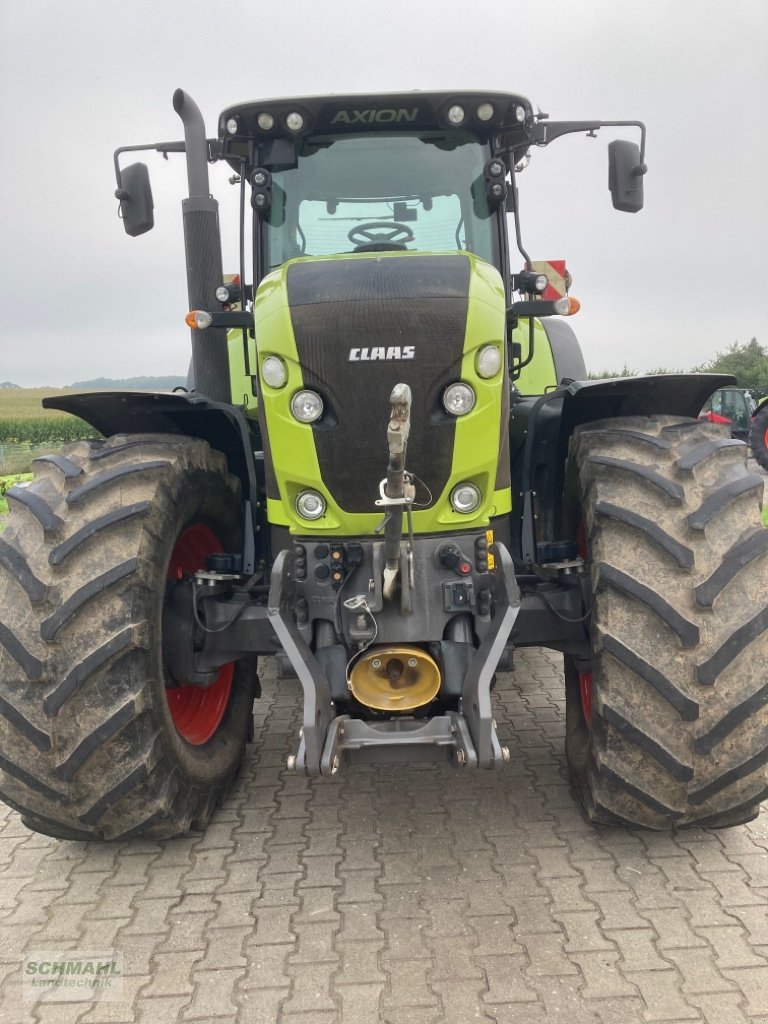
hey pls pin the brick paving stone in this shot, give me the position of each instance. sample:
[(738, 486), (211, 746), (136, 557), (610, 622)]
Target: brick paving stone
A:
[(159, 1009), (734, 889), (663, 998), (172, 974), (547, 956), (602, 979), (722, 1008), (407, 983), (638, 949), (310, 989), (452, 959), (673, 930), (359, 963), (360, 1003), (506, 979), (731, 948), (213, 995), (699, 971), (753, 982), (583, 932)]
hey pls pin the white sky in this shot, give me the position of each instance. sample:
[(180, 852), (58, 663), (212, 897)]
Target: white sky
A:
[(668, 286)]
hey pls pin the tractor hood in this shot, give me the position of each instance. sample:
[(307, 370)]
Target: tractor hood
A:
[(350, 328)]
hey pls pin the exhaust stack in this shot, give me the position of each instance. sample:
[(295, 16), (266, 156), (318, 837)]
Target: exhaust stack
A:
[(202, 244)]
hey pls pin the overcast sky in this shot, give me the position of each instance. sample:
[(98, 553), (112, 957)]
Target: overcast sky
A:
[(668, 286)]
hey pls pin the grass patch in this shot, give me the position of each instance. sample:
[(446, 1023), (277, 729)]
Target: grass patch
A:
[(765, 515), (5, 483)]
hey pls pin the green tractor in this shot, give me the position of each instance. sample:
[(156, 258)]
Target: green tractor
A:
[(390, 472)]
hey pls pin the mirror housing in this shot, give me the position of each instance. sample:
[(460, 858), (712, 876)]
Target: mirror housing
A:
[(625, 176), (136, 203)]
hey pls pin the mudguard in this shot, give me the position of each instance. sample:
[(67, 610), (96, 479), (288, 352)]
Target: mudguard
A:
[(541, 426)]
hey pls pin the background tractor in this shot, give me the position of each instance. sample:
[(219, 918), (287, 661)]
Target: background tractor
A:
[(389, 470)]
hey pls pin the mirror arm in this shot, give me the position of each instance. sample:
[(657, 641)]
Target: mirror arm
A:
[(159, 147), (544, 132)]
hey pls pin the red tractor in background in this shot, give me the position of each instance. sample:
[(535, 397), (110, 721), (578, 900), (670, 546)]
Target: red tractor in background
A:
[(735, 408)]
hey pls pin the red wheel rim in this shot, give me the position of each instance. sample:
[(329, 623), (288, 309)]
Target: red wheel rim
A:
[(197, 711), (585, 689), (765, 440), (585, 678)]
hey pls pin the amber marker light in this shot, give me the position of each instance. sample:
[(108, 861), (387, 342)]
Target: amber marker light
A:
[(567, 307), (198, 319)]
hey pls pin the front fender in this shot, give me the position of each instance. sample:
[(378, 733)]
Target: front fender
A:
[(541, 427), (223, 426)]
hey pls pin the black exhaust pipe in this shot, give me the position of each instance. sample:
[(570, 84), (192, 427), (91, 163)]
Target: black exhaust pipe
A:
[(202, 244)]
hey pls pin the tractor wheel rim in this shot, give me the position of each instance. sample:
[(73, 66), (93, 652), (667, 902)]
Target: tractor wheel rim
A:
[(585, 689), (765, 440), (197, 711), (585, 678)]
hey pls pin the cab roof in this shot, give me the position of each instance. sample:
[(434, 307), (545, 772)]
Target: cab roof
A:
[(484, 113)]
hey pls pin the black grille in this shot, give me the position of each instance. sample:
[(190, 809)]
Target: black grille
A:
[(386, 303)]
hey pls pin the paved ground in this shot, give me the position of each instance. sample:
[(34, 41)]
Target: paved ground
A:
[(408, 895)]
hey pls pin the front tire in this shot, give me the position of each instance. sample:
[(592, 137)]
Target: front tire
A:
[(92, 743), (669, 521)]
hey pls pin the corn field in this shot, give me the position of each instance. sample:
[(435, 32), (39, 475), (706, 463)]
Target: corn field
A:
[(27, 430)]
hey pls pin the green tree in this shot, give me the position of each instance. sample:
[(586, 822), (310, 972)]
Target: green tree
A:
[(747, 362)]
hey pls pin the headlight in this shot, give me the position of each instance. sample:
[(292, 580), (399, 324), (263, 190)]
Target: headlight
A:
[(465, 498), (458, 399), (294, 121), (488, 361), (307, 406), (485, 111), (310, 505), (274, 372), (456, 114)]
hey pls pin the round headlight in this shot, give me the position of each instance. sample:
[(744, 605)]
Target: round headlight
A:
[(465, 498), (266, 122), (222, 293), (295, 121), (488, 361), (519, 114), (456, 114), (307, 406), (485, 112), (310, 505), (274, 372), (458, 399), (232, 125)]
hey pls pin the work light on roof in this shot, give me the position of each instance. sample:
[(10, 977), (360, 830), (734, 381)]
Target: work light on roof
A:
[(232, 125), (456, 114), (265, 121), (294, 121), (519, 114), (485, 112)]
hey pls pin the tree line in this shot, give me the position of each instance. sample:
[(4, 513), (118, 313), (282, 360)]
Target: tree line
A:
[(748, 362)]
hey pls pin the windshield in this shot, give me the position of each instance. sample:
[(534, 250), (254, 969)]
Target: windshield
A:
[(382, 192)]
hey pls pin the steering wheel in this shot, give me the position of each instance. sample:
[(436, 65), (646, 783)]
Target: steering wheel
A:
[(370, 236)]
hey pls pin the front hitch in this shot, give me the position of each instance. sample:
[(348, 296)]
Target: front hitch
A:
[(396, 490)]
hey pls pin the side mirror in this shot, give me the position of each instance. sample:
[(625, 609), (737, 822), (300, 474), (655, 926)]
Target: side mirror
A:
[(136, 204), (625, 176)]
